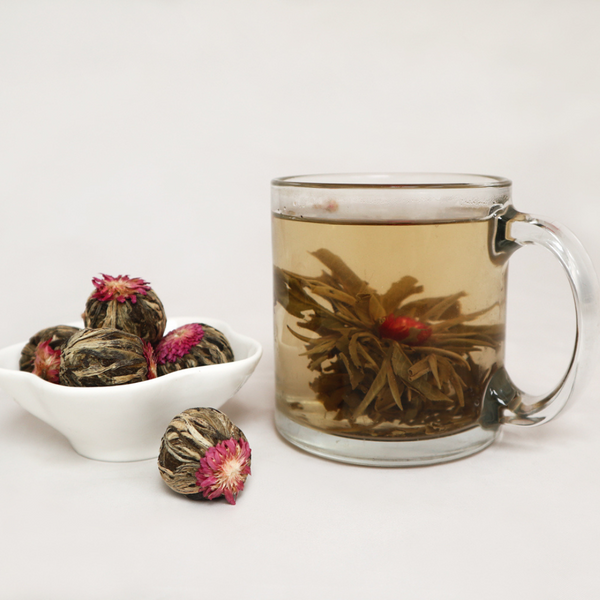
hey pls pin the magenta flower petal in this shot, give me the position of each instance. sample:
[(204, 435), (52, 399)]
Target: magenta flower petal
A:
[(46, 362), (120, 288), (177, 343), (151, 360), (224, 469)]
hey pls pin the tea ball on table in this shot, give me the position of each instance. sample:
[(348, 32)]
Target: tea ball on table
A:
[(100, 357), (192, 345), (204, 455), (128, 304)]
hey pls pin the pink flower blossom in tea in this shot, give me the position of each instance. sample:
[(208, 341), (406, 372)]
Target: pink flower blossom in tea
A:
[(404, 329)]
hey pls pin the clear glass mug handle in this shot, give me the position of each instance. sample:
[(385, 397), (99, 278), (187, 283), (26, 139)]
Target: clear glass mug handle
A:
[(505, 402)]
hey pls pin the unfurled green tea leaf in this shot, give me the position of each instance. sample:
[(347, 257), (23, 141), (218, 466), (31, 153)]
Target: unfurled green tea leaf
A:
[(393, 383), (376, 310), (353, 350), (418, 308), (375, 388), (445, 352), (356, 376), (447, 324), (433, 362), (333, 294), (419, 369), (439, 308), (398, 292), (324, 346), (367, 356), (340, 270)]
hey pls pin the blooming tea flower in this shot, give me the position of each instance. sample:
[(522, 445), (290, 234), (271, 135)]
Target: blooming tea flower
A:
[(405, 329)]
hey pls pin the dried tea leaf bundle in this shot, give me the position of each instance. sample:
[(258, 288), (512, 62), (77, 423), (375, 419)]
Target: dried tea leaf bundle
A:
[(387, 365), (56, 337), (101, 357), (128, 304), (204, 455), (192, 345)]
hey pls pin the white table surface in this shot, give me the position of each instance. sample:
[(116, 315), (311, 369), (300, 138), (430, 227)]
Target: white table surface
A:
[(521, 514), (139, 137)]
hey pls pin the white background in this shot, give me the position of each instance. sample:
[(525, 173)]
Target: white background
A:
[(140, 137)]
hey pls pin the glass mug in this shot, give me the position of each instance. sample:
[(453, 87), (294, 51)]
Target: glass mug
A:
[(389, 315)]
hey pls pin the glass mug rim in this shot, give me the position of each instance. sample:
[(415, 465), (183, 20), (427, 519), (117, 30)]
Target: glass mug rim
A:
[(385, 197), (393, 180)]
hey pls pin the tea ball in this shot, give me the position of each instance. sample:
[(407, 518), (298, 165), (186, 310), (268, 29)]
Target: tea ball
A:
[(99, 357), (192, 345), (128, 304), (204, 455)]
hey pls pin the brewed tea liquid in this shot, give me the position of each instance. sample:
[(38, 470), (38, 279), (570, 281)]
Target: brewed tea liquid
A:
[(340, 370)]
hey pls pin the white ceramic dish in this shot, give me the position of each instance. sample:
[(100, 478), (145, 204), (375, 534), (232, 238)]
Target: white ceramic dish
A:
[(127, 422)]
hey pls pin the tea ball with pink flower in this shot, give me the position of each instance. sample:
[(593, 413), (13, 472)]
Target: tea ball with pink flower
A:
[(126, 303), (192, 345), (41, 354), (106, 357), (203, 455)]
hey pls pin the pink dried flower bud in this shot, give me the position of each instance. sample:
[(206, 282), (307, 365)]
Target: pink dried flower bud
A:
[(151, 360), (192, 345), (223, 470), (179, 342), (46, 363), (119, 288), (57, 337)]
